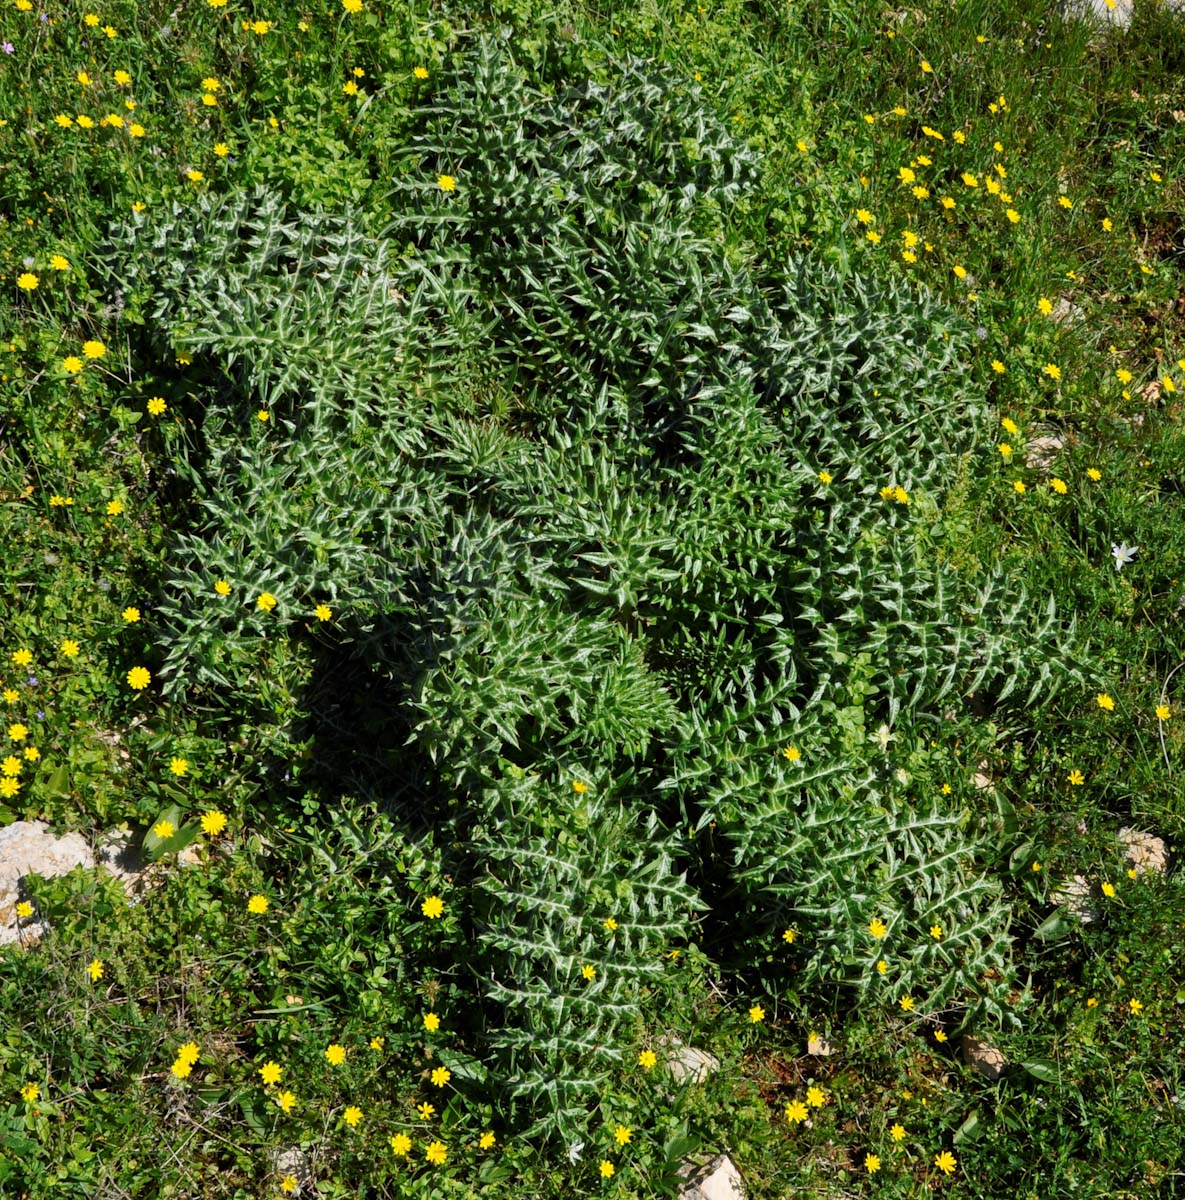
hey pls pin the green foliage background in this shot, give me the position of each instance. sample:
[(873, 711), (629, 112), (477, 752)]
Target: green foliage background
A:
[(626, 467)]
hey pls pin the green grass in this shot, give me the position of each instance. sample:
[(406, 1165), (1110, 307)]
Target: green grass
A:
[(327, 819)]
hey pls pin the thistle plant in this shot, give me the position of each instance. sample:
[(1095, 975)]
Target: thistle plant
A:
[(577, 896), (695, 526)]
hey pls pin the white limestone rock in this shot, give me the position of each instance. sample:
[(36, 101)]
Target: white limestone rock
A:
[(1074, 897), (718, 1180), (291, 1161), (28, 847), (1066, 312), (984, 1058), (818, 1047), (1041, 451), (1144, 851), (116, 853), (686, 1062), (1112, 12), (1107, 12)]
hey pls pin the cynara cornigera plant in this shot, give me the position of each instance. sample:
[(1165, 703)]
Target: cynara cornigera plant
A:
[(683, 556), (577, 896)]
